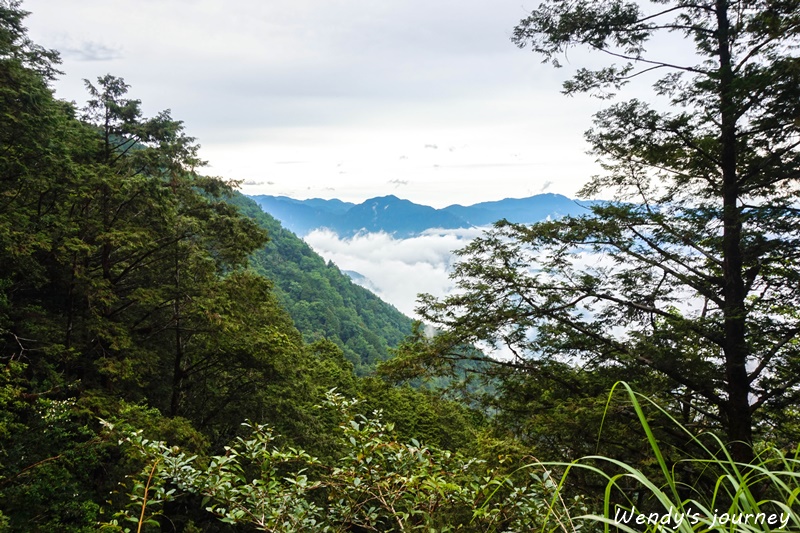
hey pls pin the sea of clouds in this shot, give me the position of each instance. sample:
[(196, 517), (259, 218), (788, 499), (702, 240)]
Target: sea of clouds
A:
[(397, 270)]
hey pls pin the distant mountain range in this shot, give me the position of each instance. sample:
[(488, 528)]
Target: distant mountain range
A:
[(403, 218)]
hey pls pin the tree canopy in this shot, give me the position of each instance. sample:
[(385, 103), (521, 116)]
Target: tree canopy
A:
[(132, 291), (690, 275)]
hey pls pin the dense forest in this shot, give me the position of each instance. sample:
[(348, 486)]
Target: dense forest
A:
[(174, 360), (137, 293)]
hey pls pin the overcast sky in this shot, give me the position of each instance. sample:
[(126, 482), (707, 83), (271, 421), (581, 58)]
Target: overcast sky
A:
[(425, 99)]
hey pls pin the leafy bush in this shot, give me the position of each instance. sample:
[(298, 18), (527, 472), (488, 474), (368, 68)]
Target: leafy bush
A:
[(376, 484)]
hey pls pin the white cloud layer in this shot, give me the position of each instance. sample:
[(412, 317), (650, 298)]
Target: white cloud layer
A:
[(397, 269)]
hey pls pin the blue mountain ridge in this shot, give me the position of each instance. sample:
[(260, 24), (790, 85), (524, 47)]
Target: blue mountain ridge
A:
[(403, 218)]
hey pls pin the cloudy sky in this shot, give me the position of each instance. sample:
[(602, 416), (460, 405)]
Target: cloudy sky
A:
[(425, 99)]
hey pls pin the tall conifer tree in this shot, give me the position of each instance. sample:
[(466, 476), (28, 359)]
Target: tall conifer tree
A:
[(692, 273)]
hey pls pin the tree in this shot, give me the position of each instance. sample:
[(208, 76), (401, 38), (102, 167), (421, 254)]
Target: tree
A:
[(122, 279), (125, 295), (691, 273)]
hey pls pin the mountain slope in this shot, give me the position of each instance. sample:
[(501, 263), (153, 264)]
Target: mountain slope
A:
[(302, 216), (396, 216), (322, 301)]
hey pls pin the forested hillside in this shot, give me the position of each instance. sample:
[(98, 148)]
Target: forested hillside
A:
[(323, 302), (134, 305)]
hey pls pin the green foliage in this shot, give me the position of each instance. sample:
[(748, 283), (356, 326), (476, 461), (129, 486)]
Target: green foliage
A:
[(51, 455), (125, 294), (707, 492), (376, 484), (421, 414), (547, 408)]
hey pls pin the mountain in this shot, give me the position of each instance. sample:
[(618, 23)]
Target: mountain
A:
[(396, 216), (403, 218), (303, 216), (522, 210), (322, 301)]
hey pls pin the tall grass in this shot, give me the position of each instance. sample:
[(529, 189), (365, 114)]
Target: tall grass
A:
[(704, 493)]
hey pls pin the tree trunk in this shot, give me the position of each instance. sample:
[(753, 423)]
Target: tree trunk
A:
[(178, 372), (737, 408)]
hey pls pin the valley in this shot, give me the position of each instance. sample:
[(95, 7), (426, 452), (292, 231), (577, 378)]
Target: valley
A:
[(398, 249)]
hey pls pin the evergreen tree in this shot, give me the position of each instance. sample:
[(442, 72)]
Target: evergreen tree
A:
[(124, 295), (691, 275)]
